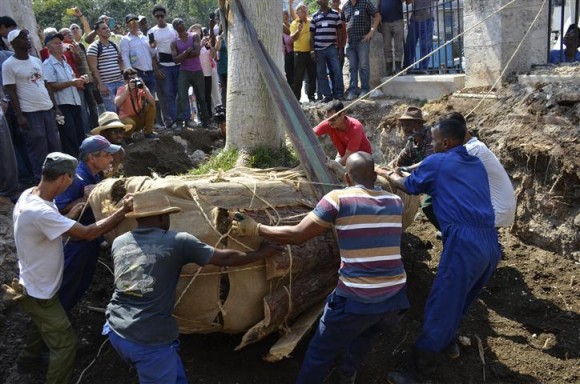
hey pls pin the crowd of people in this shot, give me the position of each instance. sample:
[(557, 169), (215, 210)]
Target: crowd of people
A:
[(72, 112)]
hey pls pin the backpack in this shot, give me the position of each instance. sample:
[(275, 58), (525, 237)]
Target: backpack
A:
[(100, 47)]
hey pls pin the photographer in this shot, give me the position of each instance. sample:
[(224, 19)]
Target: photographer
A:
[(136, 105)]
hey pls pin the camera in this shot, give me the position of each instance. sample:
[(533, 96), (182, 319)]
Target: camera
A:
[(212, 16), (138, 83)]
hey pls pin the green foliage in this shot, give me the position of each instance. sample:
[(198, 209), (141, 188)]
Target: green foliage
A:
[(265, 157), (51, 13), (224, 160)]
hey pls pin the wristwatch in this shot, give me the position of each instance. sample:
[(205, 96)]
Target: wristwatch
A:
[(372, 29)]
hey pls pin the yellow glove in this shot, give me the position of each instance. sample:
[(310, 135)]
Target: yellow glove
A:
[(244, 225), (14, 292)]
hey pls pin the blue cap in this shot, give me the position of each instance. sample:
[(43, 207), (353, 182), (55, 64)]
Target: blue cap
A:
[(98, 143)]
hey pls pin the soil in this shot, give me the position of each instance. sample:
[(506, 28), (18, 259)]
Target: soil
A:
[(525, 326)]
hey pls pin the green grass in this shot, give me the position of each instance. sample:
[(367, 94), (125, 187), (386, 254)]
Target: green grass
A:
[(266, 157), (224, 160)]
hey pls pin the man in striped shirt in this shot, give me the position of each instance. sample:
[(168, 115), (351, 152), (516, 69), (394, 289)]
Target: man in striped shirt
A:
[(325, 29), (106, 64), (370, 296)]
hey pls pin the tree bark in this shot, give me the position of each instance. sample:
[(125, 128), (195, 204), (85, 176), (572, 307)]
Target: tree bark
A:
[(21, 11), (251, 114)]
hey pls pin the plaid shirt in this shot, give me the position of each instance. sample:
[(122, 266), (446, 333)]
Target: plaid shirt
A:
[(358, 19)]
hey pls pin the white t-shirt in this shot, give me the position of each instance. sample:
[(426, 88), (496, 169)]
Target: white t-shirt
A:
[(501, 189), (163, 39), (38, 227), (27, 76), (205, 59)]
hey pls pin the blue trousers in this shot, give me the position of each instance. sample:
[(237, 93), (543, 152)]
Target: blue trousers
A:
[(155, 364), (421, 31), (71, 132), (80, 261), (357, 54), (41, 138), (109, 101), (8, 167), (328, 58), (469, 259), (170, 92), (340, 331)]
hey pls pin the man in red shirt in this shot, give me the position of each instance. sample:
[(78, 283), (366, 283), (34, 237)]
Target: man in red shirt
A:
[(347, 133)]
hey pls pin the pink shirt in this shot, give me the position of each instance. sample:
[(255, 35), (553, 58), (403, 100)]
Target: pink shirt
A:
[(288, 43), (353, 138)]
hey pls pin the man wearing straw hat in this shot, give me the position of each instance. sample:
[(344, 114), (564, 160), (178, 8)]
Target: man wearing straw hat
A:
[(370, 296), (419, 139), (80, 256), (112, 128), (148, 262), (38, 230)]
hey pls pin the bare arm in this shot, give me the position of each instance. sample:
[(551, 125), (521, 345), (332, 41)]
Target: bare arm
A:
[(232, 257), (91, 232), (292, 234)]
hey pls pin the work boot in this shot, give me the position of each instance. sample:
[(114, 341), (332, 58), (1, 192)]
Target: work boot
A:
[(421, 366), (398, 66), (452, 350), (347, 379), (389, 66)]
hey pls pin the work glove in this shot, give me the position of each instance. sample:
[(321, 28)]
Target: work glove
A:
[(244, 225), (14, 291)]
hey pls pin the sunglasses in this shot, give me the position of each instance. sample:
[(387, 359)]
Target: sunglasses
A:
[(116, 131), (73, 28)]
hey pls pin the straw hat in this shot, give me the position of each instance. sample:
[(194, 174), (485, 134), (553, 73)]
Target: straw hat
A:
[(108, 120), (152, 202), (412, 113)]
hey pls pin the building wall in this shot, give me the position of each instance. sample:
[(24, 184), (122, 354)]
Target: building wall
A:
[(489, 47)]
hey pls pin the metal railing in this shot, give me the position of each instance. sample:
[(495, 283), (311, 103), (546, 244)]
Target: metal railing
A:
[(445, 23), (562, 14)]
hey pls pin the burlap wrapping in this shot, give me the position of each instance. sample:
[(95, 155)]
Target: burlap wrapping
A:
[(259, 298)]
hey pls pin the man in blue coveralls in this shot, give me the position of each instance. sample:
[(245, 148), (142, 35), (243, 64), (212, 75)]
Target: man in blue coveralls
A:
[(459, 186), (80, 256)]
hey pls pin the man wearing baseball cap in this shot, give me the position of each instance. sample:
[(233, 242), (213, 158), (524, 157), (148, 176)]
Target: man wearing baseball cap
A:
[(31, 100), (80, 256), (38, 230)]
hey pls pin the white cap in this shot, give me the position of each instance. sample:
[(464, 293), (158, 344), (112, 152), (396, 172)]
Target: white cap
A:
[(13, 34)]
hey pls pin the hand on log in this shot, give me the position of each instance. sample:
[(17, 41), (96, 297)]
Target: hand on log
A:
[(243, 225)]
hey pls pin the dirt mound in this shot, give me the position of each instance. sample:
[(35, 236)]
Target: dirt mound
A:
[(524, 327)]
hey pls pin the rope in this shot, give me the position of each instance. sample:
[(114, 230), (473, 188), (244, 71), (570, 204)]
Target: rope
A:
[(360, 98), (94, 360), (509, 61)]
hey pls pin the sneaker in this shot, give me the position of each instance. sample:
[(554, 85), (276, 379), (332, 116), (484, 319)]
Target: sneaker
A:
[(177, 126), (351, 96), (191, 124), (376, 93), (152, 136), (158, 127), (327, 99)]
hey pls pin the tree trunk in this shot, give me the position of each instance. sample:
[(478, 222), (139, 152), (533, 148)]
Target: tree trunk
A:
[(21, 11), (251, 117)]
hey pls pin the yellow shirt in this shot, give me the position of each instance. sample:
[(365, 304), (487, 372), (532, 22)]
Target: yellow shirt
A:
[(302, 43)]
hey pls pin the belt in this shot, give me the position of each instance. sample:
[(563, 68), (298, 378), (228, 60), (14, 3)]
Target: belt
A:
[(143, 72)]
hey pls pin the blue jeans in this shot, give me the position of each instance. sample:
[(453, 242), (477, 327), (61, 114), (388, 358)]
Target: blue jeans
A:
[(154, 363), (421, 31), (357, 54), (340, 331), (170, 92), (329, 57), (109, 101), (149, 80), (41, 138)]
